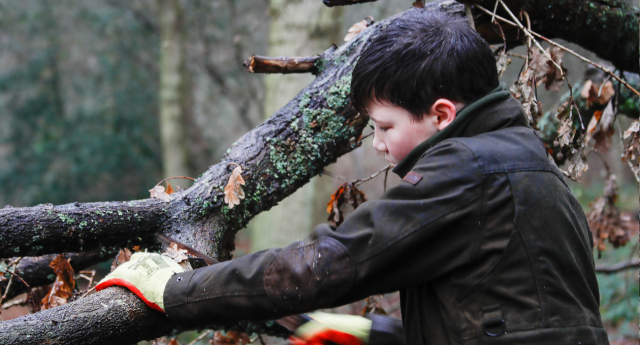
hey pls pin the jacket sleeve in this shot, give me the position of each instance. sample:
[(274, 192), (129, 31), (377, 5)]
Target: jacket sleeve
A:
[(416, 232)]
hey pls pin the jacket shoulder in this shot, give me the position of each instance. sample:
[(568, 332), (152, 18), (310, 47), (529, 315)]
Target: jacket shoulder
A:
[(508, 150)]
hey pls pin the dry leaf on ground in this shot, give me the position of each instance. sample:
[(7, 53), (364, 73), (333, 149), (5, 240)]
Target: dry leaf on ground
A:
[(158, 192), (62, 288), (233, 191), (123, 256)]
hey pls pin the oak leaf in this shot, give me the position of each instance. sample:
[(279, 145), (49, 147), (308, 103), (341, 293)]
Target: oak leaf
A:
[(233, 191), (62, 288), (158, 192), (356, 28), (592, 93), (178, 255), (605, 219)]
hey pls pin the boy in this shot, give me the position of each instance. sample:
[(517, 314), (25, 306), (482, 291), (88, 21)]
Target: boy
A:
[(482, 237)]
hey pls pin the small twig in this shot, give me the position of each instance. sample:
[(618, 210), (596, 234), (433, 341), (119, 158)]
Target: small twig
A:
[(467, 9), (260, 338), (508, 53), (386, 174), (495, 9), (169, 178), (358, 182), (87, 292), (634, 263), (602, 85), (200, 337), (330, 174), (606, 70), (17, 276)]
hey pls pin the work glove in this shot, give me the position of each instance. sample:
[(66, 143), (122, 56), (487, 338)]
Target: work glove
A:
[(146, 275), (324, 329)]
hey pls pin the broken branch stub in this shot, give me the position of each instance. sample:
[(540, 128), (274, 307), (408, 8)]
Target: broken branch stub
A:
[(282, 65)]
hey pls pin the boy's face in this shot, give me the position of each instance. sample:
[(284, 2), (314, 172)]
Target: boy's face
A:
[(397, 133)]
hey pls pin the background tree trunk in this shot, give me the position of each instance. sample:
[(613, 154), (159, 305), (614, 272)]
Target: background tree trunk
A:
[(300, 28), (173, 90)]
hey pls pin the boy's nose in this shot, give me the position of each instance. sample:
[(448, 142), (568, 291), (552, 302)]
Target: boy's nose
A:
[(378, 144)]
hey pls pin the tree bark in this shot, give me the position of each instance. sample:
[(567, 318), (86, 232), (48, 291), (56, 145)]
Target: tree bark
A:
[(277, 157)]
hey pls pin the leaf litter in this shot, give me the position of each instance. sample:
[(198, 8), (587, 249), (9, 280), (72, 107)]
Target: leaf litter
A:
[(62, 288)]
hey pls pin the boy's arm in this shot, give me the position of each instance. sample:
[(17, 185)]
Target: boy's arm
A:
[(418, 231)]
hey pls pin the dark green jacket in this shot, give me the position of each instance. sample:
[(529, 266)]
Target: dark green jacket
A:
[(482, 237)]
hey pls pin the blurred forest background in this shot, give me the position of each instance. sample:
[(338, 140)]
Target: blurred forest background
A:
[(101, 99)]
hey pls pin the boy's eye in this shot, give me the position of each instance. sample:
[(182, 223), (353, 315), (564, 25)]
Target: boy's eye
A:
[(383, 129)]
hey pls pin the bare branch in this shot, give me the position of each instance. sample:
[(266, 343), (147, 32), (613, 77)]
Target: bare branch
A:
[(284, 65), (533, 33)]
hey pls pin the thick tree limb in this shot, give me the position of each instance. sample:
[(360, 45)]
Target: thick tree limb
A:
[(36, 271), (277, 157), (114, 316), (620, 266), (284, 65)]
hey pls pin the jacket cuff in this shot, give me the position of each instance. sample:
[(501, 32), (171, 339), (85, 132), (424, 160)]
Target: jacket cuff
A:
[(176, 292), (385, 330)]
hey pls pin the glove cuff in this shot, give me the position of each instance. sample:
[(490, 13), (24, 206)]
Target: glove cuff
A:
[(133, 288)]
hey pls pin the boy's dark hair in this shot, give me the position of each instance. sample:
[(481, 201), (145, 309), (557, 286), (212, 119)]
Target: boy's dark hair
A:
[(421, 57)]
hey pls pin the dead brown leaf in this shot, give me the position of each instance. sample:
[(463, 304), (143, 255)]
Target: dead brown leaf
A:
[(169, 189), (590, 92), (233, 191), (123, 256), (566, 132), (345, 194), (158, 192), (600, 128), (523, 90), (577, 161), (502, 61), (178, 255), (605, 219), (553, 79), (62, 288), (632, 151)]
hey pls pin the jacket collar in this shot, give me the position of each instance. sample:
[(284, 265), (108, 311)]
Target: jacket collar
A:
[(492, 112)]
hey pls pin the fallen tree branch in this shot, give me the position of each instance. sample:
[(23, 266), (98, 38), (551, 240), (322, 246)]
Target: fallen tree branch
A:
[(283, 65), (621, 266), (278, 157)]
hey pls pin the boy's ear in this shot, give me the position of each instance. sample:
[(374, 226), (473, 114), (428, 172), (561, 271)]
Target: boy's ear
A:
[(443, 112)]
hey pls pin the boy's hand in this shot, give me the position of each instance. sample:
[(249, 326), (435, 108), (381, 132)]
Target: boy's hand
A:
[(327, 328), (146, 275)]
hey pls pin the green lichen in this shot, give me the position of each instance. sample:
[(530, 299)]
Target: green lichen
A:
[(320, 128), (66, 219)]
